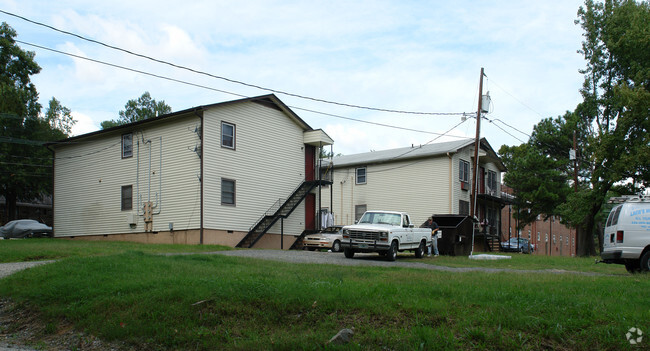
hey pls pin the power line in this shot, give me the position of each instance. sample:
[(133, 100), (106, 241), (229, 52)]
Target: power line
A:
[(229, 79), (25, 164), (224, 91), (501, 121), (514, 97), (403, 154), (505, 131), (129, 69)]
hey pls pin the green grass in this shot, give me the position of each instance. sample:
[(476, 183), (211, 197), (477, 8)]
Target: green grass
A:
[(525, 262), (216, 302), (48, 249)]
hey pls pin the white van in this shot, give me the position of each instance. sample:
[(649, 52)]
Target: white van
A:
[(627, 233)]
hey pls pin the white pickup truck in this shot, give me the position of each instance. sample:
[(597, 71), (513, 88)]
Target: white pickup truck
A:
[(385, 232)]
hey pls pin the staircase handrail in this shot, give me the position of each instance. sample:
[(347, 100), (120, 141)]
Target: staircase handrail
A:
[(269, 212), (272, 211)]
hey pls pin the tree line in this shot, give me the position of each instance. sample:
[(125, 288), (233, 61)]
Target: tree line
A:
[(25, 163), (611, 127)]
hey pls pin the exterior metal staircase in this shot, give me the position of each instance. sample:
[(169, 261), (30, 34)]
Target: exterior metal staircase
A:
[(297, 245), (280, 209)]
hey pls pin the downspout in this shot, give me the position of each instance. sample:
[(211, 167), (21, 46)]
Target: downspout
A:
[(159, 195), (332, 186), (53, 160), (451, 181), (201, 176)]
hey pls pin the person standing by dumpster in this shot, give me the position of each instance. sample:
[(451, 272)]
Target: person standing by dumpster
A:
[(434, 238), (430, 223)]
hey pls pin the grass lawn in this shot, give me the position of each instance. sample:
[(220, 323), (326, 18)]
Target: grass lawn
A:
[(216, 302), (48, 249)]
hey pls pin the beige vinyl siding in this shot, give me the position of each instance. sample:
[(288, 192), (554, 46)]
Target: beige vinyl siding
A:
[(420, 187), (267, 164), (458, 194), (89, 176)]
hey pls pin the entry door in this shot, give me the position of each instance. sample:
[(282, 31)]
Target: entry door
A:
[(310, 163), (310, 212)]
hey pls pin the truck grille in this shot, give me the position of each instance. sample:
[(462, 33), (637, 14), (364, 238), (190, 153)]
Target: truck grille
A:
[(364, 235)]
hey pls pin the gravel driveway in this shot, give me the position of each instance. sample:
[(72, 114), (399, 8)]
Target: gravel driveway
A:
[(372, 259), (9, 268)]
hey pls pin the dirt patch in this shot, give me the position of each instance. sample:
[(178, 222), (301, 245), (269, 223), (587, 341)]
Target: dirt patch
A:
[(21, 328)]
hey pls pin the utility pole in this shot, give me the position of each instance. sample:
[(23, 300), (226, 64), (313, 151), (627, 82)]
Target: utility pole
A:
[(477, 143)]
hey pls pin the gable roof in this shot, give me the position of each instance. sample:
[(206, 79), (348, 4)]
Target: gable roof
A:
[(269, 100), (421, 151)]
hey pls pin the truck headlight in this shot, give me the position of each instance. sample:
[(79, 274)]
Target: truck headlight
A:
[(346, 233)]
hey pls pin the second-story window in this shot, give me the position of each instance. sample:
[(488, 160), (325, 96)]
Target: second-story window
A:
[(464, 171), (127, 145), (492, 180), (361, 175), (227, 135)]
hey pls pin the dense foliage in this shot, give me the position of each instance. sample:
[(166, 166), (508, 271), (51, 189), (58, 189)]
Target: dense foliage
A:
[(611, 126), (25, 164), (139, 109)]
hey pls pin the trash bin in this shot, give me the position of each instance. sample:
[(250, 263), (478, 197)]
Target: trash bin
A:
[(456, 234)]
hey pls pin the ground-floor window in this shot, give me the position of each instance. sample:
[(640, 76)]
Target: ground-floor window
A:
[(127, 197), (359, 210), (227, 191), (463, 208)]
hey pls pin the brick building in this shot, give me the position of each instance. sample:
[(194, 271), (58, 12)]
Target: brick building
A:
[(549, 236)]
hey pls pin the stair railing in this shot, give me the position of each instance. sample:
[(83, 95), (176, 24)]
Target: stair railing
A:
[(271, 211)]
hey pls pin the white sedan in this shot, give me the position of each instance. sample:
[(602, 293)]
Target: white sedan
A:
[(329, 238)]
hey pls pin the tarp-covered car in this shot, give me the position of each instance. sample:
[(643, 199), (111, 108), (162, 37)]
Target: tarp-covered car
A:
[(25, 228), (328, 238)]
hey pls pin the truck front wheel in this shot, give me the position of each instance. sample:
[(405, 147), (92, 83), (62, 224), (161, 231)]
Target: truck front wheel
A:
[(392, 252), (349, 253)]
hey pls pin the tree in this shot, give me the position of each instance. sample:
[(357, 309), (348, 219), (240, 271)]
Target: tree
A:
[(612, 125), (25, 172), (137, 110), (59, 117)]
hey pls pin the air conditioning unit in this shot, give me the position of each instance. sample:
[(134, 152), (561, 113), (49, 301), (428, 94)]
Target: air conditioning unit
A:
[(464, 186)]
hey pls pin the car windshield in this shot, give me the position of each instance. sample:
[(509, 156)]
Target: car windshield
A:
[(381, 218)]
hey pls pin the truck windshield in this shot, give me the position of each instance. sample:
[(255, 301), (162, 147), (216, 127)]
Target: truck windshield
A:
[(381, 218)]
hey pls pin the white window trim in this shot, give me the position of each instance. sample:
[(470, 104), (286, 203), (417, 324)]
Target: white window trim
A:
[(234, 135), (461, 171), (122, 146), (365, 175), (122, 208), (234, 192)]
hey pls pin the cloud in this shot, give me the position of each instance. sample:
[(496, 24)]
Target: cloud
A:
[(416, 56), (85, 124)]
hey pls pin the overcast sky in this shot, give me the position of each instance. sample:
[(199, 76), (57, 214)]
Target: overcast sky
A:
[(421, 56)]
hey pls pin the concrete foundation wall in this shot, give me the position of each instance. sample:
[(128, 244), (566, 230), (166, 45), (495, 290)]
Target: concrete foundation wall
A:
[(193, 237)]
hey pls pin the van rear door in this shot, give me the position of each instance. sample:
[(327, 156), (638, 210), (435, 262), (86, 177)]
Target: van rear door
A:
[(609, 237)]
